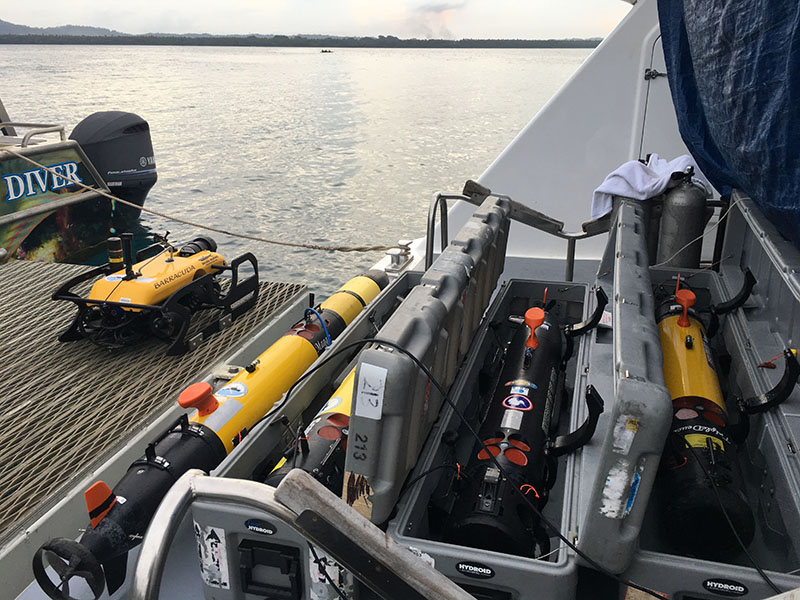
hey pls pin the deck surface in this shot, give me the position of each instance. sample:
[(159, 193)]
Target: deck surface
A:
[(65, 407)]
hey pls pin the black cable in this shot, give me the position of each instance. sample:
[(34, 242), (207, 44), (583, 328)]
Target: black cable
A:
[(742, 545), (474, 433), (431, 470), (407, 487), (527, 501), (324, 571), (297, 443)]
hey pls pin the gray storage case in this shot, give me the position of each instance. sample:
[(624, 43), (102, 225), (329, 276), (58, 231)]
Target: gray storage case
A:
[(766, 325), (493, 575), (617, 476), (394, 403)]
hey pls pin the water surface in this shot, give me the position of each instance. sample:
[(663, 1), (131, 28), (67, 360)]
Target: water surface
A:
[(345, 148)]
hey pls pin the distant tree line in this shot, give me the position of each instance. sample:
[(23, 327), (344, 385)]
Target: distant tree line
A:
[(383, 41)]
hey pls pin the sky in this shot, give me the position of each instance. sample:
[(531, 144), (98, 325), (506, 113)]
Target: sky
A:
[(453, 19)]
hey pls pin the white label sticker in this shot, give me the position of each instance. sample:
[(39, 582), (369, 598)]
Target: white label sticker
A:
[(235, 389), (519, 390), (625, 430), (115, 278), (320, 588), (369, 394), (330, 405), (512, 419), (224, 413), (606, 320), (615, 490), (213, 558)]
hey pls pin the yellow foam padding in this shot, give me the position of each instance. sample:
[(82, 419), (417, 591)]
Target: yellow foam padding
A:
[(688, 371), (159, 278), (278, 368), (346, 305)]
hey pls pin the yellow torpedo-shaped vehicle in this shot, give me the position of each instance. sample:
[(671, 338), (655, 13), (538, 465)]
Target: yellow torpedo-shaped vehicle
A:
[(118, 518), (157, 294), (700, 481)]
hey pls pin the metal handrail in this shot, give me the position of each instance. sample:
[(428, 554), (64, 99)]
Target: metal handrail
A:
[(54, 128), (520, 213), (195, 485), (589, 229), (37, 129), (439, 201), (27, 125)]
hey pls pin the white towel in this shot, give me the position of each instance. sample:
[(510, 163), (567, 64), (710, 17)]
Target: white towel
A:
[(640, 182)]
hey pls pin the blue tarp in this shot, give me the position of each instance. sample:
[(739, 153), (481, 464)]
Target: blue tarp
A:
[(734, 75)]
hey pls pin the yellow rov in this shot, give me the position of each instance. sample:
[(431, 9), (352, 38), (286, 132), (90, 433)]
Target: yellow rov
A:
[(157, 294)]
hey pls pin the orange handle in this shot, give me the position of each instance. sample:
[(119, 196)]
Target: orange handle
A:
[(200, 396), (533, 318), (686, 299)]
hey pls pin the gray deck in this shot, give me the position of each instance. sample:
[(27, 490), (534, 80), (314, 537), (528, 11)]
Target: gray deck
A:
[(65, 407)]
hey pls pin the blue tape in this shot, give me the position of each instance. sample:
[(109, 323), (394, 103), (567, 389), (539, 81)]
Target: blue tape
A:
[(322, 322)]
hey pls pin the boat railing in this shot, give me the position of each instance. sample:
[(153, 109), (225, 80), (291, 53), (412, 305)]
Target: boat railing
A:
[(474, 193), (35, 129), (300, 501)]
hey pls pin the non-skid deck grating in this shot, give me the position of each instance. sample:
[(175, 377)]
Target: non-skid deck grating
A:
[(65, 407)]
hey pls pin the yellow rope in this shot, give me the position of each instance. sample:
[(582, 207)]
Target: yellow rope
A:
[(199, 225)]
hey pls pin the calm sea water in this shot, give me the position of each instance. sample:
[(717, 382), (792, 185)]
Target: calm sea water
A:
[(344, 148)]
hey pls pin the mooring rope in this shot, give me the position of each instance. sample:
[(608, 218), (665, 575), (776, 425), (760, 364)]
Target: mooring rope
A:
[(200, 225)]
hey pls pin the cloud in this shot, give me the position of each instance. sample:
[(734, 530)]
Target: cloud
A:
[(432, 19), (440, 7), (368, 13), (403, 18)]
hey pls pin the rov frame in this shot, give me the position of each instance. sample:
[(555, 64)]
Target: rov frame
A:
[(239, 298)]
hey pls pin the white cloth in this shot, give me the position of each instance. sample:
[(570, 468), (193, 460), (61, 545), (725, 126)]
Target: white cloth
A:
[(640, 182)]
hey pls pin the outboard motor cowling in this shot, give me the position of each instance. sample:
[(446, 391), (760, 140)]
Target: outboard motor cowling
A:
[(118, 145)]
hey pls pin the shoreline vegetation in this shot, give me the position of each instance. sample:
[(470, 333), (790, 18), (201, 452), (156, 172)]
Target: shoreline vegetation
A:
[(297, 41)]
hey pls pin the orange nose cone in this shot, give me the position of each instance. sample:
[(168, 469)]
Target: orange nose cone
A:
[(686, 299), (533, 318), (200, 396), (99, 500)]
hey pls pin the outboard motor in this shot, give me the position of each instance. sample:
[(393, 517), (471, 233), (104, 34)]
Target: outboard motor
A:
[(118, 145)]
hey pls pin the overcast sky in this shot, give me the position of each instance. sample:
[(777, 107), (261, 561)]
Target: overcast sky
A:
[(403, 18)]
